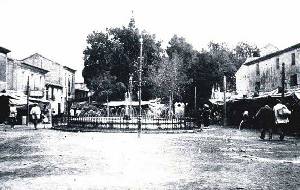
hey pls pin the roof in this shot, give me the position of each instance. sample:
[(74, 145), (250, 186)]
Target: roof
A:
[(271, 55), (4, 50), (53, 84), (81, 87), (44, 71), (39, 55), (70, 69)]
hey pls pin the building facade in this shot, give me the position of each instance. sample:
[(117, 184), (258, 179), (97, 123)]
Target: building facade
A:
[(69, 83), (81, 91), (262, 75), (20, 74), (17, 75), (3, 68), (59, 82)]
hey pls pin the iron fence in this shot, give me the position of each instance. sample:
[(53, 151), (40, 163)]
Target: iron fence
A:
[(123, 123)]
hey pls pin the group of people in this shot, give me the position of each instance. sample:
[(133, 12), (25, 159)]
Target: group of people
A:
[(36, 115), (203, 116), (270, 119)]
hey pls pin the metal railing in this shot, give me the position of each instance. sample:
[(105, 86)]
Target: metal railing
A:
[(148, 123)]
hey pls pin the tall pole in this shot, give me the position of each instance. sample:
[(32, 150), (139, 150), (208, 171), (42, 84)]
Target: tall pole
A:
[(225, 111), (27, 120), (140, 85), (283, 81), (195, 98), (130, 95), (170, 104), (107, 107)]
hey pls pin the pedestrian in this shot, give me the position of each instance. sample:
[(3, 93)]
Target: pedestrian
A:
[(245, 120), (35, 115), (206, 115), (198, 116), (12, 115), (265, 118), (294, 118), (282, 114)]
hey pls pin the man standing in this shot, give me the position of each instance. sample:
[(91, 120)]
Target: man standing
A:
[(35, 114), (265, 118), (12, 115), (282, 114), (206, 115)]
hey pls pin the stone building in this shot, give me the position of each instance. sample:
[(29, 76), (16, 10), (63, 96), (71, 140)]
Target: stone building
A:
[(69, 83), (3, 68), (17, 74), (263, 75), (59, 82), (81, 91)]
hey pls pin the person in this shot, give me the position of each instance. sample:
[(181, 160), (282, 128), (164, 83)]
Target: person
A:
[(35, 114), (294, 118), (282, 114), (245, 120), (198, 116), (12, 115), (265, 118), (205, 115)]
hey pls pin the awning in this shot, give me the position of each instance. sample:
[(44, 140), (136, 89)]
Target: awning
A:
[(19, 99)]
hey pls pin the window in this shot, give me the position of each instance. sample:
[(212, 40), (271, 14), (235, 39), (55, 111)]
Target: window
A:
[(293, 59), (294, 81), (47, 93), (41, 85), (31, 80), (69, 87), (24, 80), (257, 69), (277, 63), (52, 93)]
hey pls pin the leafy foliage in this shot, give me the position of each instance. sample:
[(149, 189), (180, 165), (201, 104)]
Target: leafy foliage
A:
[(113, 55)]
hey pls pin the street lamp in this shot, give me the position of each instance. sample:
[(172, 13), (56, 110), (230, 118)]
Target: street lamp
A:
[(140, 85), (225, 111), (130, 94)]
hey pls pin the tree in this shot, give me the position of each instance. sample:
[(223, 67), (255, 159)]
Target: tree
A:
[(242, 51), (170, 77), (228, 61), (112, 55)]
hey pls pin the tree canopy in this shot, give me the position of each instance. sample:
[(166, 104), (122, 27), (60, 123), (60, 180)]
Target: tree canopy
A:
[(111, 57)]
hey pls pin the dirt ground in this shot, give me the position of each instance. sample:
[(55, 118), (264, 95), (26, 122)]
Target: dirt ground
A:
[(216, 158)]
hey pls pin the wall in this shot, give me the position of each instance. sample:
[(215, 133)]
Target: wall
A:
[(55, 73), (59, 80), (269, 74), (68, 86), (17, 77), (2, 72)]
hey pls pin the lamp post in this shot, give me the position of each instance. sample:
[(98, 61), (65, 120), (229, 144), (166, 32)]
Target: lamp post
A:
[(107, 107), (130, 95), (140, 85), (225, 111), (170, 104), (28, 91), (195, 98)]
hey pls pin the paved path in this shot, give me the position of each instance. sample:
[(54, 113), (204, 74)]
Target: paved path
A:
[(215, 158)]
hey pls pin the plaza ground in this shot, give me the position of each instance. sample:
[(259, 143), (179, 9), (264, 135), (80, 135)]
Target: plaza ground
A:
[(215, 158)]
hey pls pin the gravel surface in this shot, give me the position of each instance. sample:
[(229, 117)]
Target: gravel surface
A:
[(215, 158)]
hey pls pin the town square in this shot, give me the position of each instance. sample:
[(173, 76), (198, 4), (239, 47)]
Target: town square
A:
[(149, 95)]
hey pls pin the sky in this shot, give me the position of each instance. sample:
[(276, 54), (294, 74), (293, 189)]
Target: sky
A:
[(57, 29)]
